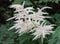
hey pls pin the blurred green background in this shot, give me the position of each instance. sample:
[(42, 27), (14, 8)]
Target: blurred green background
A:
[(10, 37)]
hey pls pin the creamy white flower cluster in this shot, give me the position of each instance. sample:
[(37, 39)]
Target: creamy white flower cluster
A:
[(26, 22)]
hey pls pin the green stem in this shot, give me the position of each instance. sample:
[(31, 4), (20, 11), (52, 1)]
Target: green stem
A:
[(42, 39)]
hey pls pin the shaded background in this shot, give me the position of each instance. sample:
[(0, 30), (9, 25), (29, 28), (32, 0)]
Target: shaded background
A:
[(10, 37)]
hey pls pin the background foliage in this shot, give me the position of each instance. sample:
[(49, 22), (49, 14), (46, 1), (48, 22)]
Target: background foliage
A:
[(10, 37)]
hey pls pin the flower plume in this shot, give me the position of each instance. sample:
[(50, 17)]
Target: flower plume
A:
[(25, 21)]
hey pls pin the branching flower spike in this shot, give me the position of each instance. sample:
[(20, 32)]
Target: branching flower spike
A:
[(43, 30), (26, 22)]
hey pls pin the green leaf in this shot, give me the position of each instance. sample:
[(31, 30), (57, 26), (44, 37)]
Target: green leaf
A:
[(55, 37), (27, 2)]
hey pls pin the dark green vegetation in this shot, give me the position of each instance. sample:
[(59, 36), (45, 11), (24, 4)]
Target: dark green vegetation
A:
[(10, 37)]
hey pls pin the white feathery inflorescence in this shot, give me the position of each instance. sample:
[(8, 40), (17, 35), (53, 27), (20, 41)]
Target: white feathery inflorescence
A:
[(42, 30), (23, 21), (26, 22)]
